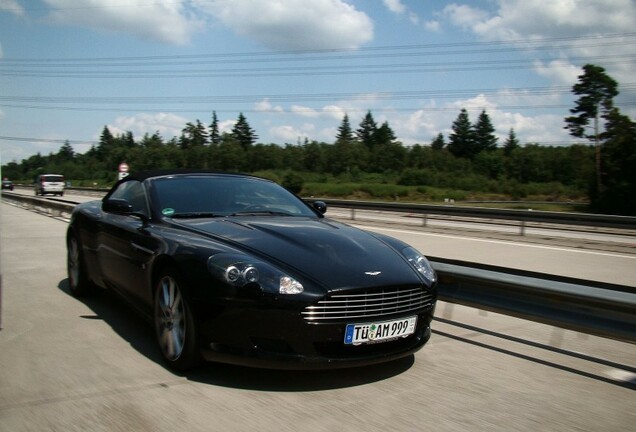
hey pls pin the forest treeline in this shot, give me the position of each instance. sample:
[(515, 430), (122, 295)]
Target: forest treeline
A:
[(368, 161)]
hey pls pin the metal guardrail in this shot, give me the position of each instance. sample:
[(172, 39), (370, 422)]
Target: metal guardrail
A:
[(521, 216), (49, 206), (606, 310)]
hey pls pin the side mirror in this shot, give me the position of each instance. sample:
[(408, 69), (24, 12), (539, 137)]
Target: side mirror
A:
[(122, 207), (320, 206), (118, 206)]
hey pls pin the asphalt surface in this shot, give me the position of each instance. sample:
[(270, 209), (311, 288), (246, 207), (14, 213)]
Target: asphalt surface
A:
[(71, 365)]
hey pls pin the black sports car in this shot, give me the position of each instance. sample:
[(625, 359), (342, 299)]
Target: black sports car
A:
[(234, 268)]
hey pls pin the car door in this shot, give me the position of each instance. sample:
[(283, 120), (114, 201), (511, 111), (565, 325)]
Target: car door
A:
[(127, 246)]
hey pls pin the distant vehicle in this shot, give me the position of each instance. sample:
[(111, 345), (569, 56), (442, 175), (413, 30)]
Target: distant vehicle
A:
[(49, 184), (236, 269), (7, 184)]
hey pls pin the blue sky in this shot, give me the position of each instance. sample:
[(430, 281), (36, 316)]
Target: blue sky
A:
[(295, 67)]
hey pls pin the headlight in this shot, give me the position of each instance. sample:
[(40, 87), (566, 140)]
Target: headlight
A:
[(420, 263), (239, 270)]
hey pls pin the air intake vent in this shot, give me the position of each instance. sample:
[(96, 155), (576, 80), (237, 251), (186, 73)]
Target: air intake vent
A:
[(370, 304)]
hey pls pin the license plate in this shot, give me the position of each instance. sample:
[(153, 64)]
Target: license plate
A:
[(356, 334)]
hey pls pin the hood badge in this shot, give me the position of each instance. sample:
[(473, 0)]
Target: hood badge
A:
[(372, 273)]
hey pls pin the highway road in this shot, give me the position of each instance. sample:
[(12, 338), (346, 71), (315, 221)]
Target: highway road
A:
[(605, 257), (71, 365)]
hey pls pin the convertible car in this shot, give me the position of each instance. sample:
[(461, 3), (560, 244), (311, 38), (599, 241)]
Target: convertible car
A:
[(236, 269)]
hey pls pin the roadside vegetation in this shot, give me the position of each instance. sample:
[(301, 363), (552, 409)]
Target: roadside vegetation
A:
[(469, 166)]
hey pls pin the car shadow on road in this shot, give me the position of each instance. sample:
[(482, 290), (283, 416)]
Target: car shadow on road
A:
[(131, 327), (297, 380)]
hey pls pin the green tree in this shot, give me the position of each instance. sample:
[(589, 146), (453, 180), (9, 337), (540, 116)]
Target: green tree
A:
[(66, 153), (529, 164), (490, 163), (384, 134), (367, 132), (438, 143), (230, 155), (511, 142), (387, 154), (462, 138), (314, 156), (151, 141), (618, 173), (106, 143), (484, 133), (345, 133), (194, 135), (596, 91), (243, 133), (215, 134)]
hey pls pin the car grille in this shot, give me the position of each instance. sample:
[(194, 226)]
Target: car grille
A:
[(373, 303)]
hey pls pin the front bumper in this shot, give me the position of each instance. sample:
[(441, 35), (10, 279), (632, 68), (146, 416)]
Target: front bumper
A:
[(283, 340)]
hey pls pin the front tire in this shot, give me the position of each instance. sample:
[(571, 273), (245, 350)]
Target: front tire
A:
[(78, 281), (174, 323)]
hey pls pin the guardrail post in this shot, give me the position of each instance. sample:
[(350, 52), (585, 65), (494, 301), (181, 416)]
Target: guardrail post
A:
[(353, 214), (424, 219), (522, 230)]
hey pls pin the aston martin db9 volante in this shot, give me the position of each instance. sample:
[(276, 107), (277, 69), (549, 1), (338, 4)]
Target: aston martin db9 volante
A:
[(233, 268)]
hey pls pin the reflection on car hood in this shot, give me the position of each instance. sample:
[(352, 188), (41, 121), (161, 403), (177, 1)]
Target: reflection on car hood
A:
[(337, 255)]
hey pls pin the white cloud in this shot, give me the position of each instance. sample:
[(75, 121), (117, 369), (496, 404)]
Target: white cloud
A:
[(164, 21), (536, 20), (434, 26), (265, 105), (465, 16), (291, 134), (12, 6), (423, 125), (398, 8), (304, 111), (334, 111), (168, 125), (394, 6), (558, 71), (293, 24)]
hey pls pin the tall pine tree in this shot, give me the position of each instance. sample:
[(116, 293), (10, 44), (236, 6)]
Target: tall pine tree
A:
[(438, 143), (597, 91), (462, 138), (215, 134), (484, 133), (366, 133), (511, 142), (243, 133), (345, 134)]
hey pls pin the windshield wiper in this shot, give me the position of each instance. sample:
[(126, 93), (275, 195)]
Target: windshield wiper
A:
[(195, 215), (260, 213)]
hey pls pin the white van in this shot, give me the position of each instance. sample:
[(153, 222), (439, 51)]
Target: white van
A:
[(49, 184)]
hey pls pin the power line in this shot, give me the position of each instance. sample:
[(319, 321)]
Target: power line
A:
[(364, 69), (493, 93)]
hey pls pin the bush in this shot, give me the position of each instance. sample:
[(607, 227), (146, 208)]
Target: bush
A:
[(293, 182), (385, 191), (416, 177)]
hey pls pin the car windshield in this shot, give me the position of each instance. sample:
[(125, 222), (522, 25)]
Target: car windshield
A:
[(53, 178), (222, 196)]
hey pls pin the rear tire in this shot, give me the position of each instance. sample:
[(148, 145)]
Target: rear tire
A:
[(78, 281), (175, 326)]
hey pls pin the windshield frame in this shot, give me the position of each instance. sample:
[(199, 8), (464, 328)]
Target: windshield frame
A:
[(223, 195)]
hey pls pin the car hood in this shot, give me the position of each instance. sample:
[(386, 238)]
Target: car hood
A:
[(333, 254)]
